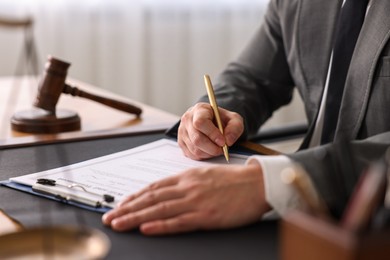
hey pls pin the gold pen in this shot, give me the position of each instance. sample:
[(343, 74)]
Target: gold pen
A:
[(213, 102)]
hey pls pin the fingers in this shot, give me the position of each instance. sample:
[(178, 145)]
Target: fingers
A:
[(151, 198), (234, 126), (203, 121), (196, 145), (194, 133), (182, 223), (200, 138), (127, 220), (153, 194), (169, 181)]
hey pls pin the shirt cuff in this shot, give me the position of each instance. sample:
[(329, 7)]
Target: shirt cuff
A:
[(280, 196)]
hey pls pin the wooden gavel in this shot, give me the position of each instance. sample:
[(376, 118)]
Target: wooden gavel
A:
[(45, 118), (53, 84)]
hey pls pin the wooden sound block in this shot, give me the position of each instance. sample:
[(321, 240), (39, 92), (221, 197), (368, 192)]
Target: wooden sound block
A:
[(39, 121)]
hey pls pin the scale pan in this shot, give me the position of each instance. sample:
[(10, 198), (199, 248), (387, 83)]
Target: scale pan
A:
[(61, 242)]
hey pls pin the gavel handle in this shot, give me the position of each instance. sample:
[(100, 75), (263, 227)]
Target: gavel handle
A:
[(74, 91)]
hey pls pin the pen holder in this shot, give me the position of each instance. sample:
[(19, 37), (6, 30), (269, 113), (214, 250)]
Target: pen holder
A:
[(307, 237)]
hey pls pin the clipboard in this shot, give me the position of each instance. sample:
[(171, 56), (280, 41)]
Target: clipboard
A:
[(78, 202)]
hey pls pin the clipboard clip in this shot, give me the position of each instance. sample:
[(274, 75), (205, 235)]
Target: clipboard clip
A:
[(66, 192)]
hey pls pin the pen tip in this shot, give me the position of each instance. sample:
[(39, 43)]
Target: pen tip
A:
[(226, 153)]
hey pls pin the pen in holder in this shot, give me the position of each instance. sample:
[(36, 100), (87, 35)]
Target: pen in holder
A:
[(44, 117), (362, 234)]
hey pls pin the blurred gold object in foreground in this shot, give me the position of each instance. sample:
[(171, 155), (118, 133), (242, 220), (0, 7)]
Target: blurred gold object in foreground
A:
[(60, 242)]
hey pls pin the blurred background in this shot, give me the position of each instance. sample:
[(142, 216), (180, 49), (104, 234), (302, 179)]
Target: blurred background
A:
[(153, 51)]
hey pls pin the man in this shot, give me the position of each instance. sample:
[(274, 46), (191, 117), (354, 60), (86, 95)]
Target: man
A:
[(294, 47)]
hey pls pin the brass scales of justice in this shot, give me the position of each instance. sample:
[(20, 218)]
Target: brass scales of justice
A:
[(44, 117)]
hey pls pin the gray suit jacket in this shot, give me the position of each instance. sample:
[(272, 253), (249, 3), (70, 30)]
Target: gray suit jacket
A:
[(291, 49)]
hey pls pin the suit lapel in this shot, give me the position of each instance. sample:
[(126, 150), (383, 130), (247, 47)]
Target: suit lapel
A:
[(375, 34)]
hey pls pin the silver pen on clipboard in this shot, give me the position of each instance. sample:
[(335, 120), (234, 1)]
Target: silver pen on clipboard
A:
[(72, 192)]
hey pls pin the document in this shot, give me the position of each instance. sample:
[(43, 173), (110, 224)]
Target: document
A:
[(118, 175)]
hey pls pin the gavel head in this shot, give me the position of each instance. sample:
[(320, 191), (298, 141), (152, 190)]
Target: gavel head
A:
[(51, 85)]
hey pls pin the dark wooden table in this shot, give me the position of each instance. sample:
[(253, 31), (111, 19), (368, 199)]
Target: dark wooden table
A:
[(256, 241)]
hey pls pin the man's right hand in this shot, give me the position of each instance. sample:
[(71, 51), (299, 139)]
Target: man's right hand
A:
[(200, 138)]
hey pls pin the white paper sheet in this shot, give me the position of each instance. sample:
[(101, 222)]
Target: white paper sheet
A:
[(124, 173)]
